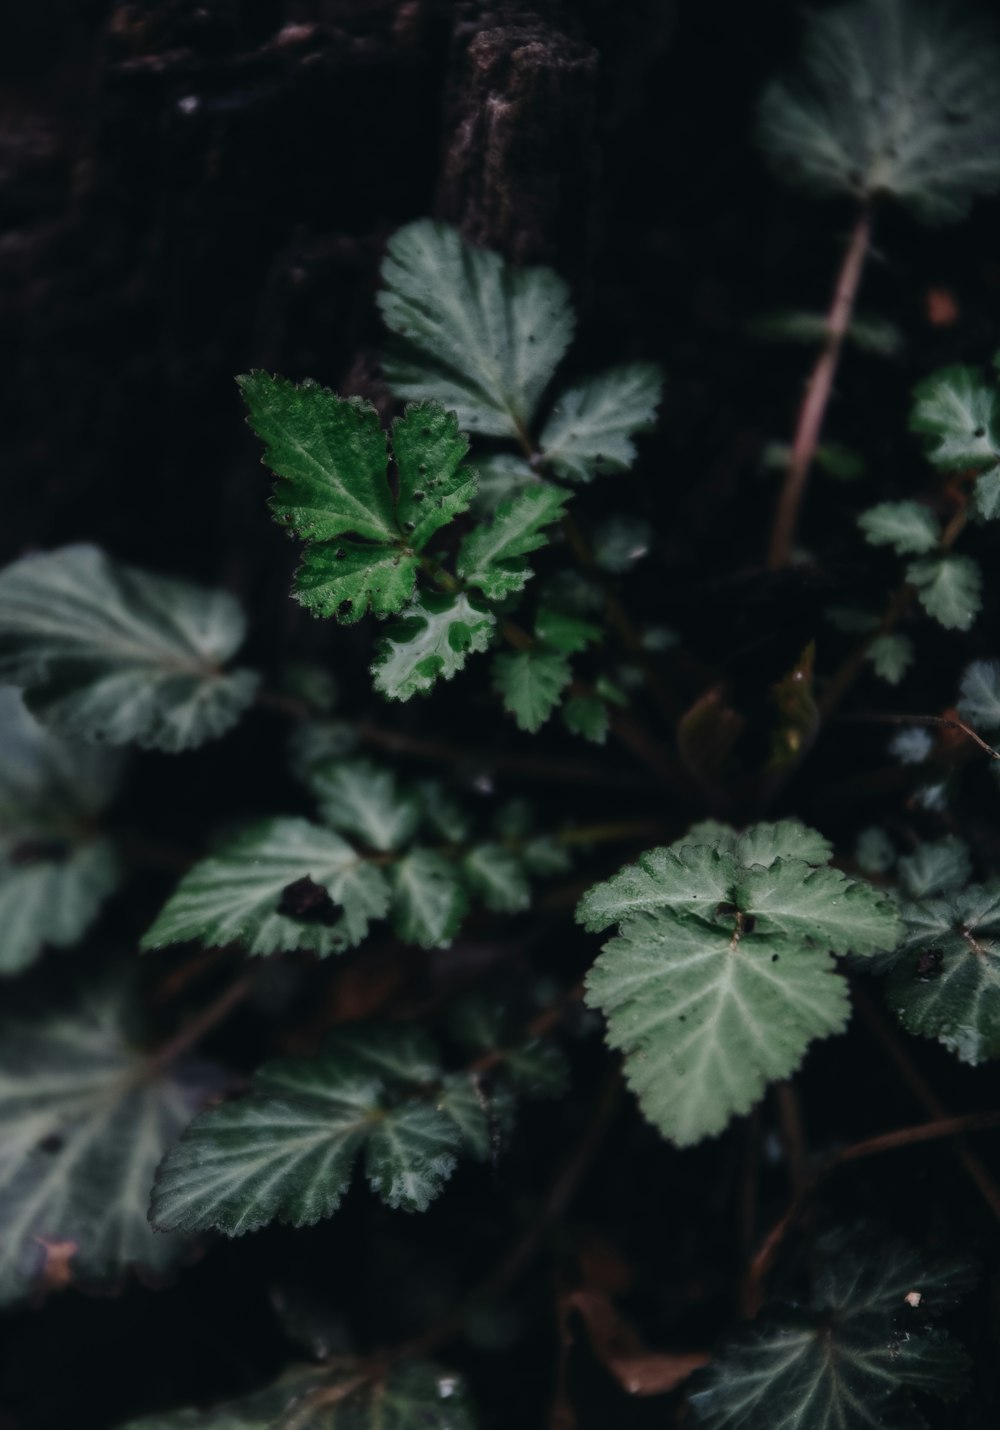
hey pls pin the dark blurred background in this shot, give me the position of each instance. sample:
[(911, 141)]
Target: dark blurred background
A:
[(191, 189)]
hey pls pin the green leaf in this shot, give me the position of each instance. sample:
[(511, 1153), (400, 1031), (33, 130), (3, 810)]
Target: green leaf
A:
[(107, 653), (936, 868), (946, 984), (53, 901), (286, 884), (959, 413), (329, 454), (432, 641), (722, 974), (331, 458), (909, 528), (494, 557), (564, 632), (84, 1119), (531, 682), (497, 876), (347, 579), (434, 487), (286, 1150), (502, 475), (475, 334), (359, 798), (429, 901), (590, 429), (949, 589), (55, 871), (847, 1359), (891, 655), (862, 118), (979, 694), (875, 852), (413, 1395), (586, 715)]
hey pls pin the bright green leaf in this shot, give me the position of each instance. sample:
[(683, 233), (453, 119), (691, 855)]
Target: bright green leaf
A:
[(434, 487), (346, 579)]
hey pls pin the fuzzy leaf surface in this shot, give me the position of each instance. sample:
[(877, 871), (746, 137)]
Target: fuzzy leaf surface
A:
[(722, 974), (83, 1122), (431, 641), (591, 427), (493, 557), (347, 579), (891, 98), (475, 334), (359, 798), (245, 894), (286, 1150), (110, 654)]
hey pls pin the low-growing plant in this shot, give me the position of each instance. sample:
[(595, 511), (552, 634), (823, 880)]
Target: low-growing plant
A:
[(398, 934)]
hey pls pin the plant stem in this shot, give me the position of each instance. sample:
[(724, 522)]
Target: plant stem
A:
[(200, 1024), (817, 394), (941, 722), (869, 1147)]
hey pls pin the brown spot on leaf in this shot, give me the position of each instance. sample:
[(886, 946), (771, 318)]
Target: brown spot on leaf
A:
[(57, 1270)]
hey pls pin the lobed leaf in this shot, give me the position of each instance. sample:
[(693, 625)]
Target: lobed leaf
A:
[(55, 870), (909, 528), (429, 900), (107, 653), (949, 588), (895, 98), (590, 429), (84, 1119), (431, 641), (475, 334), (494, 557), (286, 884), (722, 973), (530, 683), (849, 1358), (358, 798), (287, 1149)]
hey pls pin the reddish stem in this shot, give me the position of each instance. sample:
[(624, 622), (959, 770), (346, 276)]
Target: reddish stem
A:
[(817, 393)]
